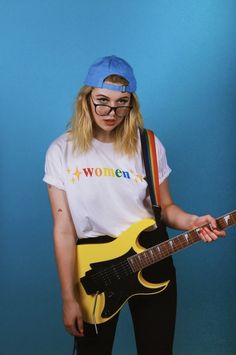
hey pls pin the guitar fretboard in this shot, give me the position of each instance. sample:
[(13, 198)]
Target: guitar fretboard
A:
[(161, 251)]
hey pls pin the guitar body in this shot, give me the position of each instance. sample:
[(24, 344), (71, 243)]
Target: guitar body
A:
[(108, 274), (104, 277)]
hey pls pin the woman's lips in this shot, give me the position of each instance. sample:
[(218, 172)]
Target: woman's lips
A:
[(109, 122)]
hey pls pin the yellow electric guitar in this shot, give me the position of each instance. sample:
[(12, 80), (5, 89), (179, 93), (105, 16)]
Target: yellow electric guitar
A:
[(108, 274)]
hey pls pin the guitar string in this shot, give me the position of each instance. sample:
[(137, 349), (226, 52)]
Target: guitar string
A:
[(126, 268), (162, 253), (171, 246), (120, 267)]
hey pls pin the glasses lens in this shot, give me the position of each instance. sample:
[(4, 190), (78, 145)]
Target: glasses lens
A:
[(102, 110), (122, 111)]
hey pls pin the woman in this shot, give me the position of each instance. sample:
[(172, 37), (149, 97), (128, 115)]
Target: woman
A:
[(97, 187)]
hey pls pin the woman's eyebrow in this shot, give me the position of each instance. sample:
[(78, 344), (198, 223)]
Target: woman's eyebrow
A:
[(107, 97), (102, 95), (123, 97)]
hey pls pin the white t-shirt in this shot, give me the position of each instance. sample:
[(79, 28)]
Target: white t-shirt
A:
[(106, 191)]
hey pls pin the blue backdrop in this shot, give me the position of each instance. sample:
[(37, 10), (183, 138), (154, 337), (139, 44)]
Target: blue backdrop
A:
[(183, 54)]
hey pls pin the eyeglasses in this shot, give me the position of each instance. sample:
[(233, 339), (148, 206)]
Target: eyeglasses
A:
[(104, 110)]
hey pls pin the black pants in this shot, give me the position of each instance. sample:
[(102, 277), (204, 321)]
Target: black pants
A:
[(153, 315)]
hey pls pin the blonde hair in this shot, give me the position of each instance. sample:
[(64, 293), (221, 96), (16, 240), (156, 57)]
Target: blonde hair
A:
[(81, 126)]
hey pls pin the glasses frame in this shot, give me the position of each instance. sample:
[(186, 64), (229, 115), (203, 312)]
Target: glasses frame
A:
[(112, 108)]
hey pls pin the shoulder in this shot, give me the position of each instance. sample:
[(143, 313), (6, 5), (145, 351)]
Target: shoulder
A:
[(160, 146), (55, 161), (58, 145)]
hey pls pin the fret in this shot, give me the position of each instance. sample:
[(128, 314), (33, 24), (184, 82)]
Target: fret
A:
[(135, 263), (198, 230), (146, 259), (157, 251), (186, 237), (175, 244), (164, 249), (141, 259), (184, 241), (194, 235), (169, 247), (151, 255), (227, 218), (233, 217)]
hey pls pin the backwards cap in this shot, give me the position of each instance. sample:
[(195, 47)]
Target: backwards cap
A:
[(111, 65)]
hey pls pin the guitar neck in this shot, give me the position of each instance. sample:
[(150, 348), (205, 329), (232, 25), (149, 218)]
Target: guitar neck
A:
[(163, 250)]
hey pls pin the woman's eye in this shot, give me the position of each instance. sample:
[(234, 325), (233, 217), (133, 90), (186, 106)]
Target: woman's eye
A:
[(102, 100), (123, 102)]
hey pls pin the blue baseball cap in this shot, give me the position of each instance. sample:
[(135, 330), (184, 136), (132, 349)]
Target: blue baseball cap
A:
[(111, 65)]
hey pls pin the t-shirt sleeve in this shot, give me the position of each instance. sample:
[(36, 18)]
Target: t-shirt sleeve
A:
[(163, 167), (54, 167)]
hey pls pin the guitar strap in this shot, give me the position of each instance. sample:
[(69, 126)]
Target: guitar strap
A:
[(150, 158)]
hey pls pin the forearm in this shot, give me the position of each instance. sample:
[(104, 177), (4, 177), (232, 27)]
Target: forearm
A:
[(65, 251), (176, 218), (65, 258)]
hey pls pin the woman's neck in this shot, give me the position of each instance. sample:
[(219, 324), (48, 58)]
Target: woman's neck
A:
[(104, 137)]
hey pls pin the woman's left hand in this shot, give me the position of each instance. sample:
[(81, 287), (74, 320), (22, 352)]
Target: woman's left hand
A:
[(207, 234)]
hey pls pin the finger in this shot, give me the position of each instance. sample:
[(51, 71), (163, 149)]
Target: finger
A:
[(216, 231), (73, 331), (202, 234), (212, 222), (205, 236), (215, 228), (210, 234), (219, 233), (80, 326)]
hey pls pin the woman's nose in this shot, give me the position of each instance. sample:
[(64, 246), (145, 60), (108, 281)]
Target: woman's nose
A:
[(112, 113)]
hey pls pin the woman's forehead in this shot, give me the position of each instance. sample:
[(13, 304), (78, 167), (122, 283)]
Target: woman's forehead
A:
[(110, 93)]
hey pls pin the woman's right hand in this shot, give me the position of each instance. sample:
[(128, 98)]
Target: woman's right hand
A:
[(72, 317)]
